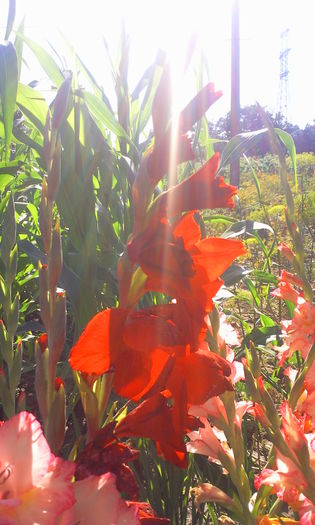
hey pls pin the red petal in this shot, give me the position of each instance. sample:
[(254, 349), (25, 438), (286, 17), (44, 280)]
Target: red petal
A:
[(198, 106), (215, 255), (204, 375), (95, 351), (199, 191), (158, 163), (136, 372), (162, 104)]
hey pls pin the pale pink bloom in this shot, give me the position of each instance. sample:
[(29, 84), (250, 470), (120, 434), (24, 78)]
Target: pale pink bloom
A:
[(310, 378), (286, 251), (98, 502), (209, 441), (287, 479), (305, 408), (292, 428), (307, 512), (291, 373), (214, 408), (292, 279), (237, 368), (207, 492), (227, 334), (286, 292), (299, 332), (35, 486)]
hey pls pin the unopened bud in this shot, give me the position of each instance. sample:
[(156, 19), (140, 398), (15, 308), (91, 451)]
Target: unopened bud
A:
[(61, 101), (57, 332), (53, 179), (55, 430), (44, 294), (55, 258), (42, 342), (286, 251), (45, 218)]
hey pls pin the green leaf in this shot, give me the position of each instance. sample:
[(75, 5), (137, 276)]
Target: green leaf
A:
[(289, 144), (102, 116), (33, 105), (261, 336), (233, 274), (244, 142), (240, 144), (46, 61), (8, 89), (250, 285), (11, 17), (5, 180), (242, 227), (256, 180), (18, 46), (219, 219), (265, 277)]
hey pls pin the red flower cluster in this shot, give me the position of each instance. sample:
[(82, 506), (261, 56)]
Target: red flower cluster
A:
[(155, 352)]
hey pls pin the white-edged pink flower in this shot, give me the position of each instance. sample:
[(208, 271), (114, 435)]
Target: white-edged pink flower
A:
[(35, 486), (289, 479), (209, 441), (299, 332), (292, 428), (227, 333), (98, 502)]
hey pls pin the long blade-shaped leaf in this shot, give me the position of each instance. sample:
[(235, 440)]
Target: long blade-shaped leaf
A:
[(11, 17), (103, 117), (8, 89), (33, 105), (18, 46), (48, 64), (289, 144)]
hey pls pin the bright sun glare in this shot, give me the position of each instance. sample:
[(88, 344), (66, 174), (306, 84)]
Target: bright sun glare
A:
[(170, 25)]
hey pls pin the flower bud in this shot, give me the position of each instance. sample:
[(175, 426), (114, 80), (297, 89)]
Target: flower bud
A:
[(57, 332), (44, 294), (55, 430), (45, 218), (55, 260), (60, 103), (53, 179)]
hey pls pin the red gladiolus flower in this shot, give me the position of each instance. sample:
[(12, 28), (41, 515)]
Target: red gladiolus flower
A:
[(202, 190), (154, 418), (105, 454), (146, 514), (43, 342), (182, 265), (145, 339)]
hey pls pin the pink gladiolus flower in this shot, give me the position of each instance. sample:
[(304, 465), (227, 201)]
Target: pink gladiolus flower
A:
[(288, 480), (98, 501), (292, 428), (299, 332), (286, 292), (227, 334), (35, 486), (209, 441), (286, 251)]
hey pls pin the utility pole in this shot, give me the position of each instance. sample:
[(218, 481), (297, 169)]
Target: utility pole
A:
[(235, 88), (283, 95)]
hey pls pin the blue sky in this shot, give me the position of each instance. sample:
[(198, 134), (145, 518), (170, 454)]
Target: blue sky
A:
[(169, 24)]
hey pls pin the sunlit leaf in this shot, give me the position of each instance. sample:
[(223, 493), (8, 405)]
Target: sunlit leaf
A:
[(11, 17), (46, 61), (33, 105), (8, 89), (247, 226)]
